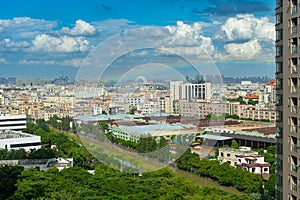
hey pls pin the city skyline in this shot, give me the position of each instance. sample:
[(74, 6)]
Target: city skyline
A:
[(43, 40)]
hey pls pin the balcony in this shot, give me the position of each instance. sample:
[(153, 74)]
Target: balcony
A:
[(294, 49), (294, 29), (293, 89), (294, 167), (293, 128), (294, 70), (294, 148), (294, 9), (294, 109), (294, 187)]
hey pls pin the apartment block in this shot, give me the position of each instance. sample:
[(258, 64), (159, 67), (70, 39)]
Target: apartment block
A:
[(287, 15)]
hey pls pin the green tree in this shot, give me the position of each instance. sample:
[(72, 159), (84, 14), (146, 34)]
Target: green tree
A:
[(104, 126), (8, 179), (234, 144)]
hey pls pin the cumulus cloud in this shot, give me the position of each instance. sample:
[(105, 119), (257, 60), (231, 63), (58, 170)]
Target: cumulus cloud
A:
[(247, 26), (187, 34), (81, 28), (8, 45), (24, 27), (3, 61), (243, 51), (63, 44), (27, 22), (183, 30)]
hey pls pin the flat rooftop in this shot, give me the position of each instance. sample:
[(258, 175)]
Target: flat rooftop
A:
[(8, 134), (162, 129), (214, 137)]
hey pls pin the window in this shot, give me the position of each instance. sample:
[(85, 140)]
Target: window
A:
[(278, 18), (294, 8), (278, 3), (253, 169), (278, 180), (294, 25), (278, 164), (279, 50), (279, 83), (279, 67)]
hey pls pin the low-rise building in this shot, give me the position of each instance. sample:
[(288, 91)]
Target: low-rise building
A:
[(10, 139), (245, 158)]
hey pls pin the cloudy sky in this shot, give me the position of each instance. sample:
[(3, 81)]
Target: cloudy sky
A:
[(43, 39)]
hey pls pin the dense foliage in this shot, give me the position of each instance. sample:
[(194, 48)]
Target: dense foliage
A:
[(106, 183), (68, 145), (77, 183), (44, 153), (8, 179), (224, 174)]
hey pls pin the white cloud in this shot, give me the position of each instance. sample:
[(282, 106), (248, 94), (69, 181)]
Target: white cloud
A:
[(63, 44), (247, 26), (76, 62), (4, 61), (27, 22), (81, 28), (8, 45), (187, 34), (25, 27), (243, 51)]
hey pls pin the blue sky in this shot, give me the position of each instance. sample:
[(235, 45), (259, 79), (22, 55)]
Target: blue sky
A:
[(42, 39)]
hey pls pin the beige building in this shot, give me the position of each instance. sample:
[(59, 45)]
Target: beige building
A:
[(287, 15), (245, 158)]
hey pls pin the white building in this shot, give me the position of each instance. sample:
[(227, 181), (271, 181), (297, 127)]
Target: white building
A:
[(149, 108), (133, 101), (12, 122), (10, 139), (189, 91), (245, 158)]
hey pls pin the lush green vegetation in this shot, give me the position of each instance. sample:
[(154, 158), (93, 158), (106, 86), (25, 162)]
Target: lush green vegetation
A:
[(224, 116), (270, 158), (224, 174), (77, 183), (44, 153), (8, 179), (250, 119), (68, 145), (242, 101), (106, 183)]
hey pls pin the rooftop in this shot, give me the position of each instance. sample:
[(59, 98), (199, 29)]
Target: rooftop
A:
[(7, 134)]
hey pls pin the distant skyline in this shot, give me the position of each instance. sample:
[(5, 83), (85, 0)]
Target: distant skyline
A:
[(42, 39)]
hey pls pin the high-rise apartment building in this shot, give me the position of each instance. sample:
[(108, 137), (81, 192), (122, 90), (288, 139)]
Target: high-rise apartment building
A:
[(288, 99), (180, 90)]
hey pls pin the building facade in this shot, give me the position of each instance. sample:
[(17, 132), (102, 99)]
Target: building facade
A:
[(288, 99), (180, 90), (12, 122), (245, 158), (10, 139)]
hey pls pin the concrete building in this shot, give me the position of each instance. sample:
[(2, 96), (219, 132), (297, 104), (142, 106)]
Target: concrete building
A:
[(10, 139), (287, 15), (12, 122), (245, 158), (202, 108), (189, 91)]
